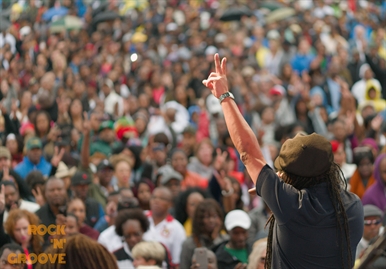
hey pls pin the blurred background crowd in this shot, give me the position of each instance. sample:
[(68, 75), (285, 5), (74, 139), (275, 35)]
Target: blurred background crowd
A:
[(106, 126)]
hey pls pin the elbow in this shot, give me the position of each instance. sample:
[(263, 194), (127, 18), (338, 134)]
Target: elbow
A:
[(244, 156)]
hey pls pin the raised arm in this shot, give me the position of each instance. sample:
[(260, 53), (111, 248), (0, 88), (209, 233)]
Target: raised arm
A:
[(241, 134)]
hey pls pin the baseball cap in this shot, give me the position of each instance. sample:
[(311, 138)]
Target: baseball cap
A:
[(305, 156), (80, 178), (237, 218), (169, 174), (34, 143), (4, 153), (104, 164), (106, 125), (11, 137), (277, 90), (372, 211)]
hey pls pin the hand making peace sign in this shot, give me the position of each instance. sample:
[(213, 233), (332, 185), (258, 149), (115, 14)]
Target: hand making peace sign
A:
[(217, 81)]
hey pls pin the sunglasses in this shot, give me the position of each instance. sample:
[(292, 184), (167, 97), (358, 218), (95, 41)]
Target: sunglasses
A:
[(372, 222)]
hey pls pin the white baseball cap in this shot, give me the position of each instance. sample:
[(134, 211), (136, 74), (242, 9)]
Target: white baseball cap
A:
[(237, 218)]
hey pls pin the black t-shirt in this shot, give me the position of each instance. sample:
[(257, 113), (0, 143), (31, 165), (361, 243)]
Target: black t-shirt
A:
[(305, 231)]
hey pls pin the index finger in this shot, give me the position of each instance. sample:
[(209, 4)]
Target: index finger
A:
[(217, 63)]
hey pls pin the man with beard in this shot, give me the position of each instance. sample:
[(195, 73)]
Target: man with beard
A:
[(56, 202), (13, 200)]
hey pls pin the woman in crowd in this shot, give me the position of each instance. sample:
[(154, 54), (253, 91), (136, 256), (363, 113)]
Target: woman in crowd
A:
[(42, 126), (179, 162), (363, 177), (202, 162), (134, 154), (142, 191), (186, 205), (77, 207), (340, 158), (76, 114), (16, 229), (130, 224), (256, 259), (72, 224), (207, 226), (148, 255), (15, 146), (376, 194), (122, 172)]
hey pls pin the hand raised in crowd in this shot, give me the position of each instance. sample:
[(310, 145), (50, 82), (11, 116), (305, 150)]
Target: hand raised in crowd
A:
[(6, 173), (217, 81), (39, 198), (53, 134), (219, 159), (2, 199), (58, 155), (86, 123), (376, 123)]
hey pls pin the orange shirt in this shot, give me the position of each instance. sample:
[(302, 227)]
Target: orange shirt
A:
[(192, 179), (356, 184)]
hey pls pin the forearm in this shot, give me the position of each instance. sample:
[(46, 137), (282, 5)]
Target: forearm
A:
[(85, 152), (240, 132), (244, 139)]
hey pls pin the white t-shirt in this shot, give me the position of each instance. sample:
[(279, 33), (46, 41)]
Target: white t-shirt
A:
[(168, 232), (110, 240), (26, 205)]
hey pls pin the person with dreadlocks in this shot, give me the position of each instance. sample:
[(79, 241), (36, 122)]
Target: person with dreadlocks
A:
[(316, 222)]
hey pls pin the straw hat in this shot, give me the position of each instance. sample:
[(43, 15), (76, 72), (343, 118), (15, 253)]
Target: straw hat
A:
[(63, 171)]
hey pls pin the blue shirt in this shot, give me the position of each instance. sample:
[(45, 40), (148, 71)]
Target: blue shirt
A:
[(301, 63), (26, 166)]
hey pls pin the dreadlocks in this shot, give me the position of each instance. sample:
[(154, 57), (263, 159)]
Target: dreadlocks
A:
[(336, 183)]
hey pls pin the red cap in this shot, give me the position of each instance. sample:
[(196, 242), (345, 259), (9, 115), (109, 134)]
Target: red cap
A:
[(277, 90), (334, 145)]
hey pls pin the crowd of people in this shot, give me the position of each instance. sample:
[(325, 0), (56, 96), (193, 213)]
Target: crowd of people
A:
[(108, 129)]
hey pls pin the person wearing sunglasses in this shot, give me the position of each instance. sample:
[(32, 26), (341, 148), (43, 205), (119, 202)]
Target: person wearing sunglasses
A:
[(372, 227)]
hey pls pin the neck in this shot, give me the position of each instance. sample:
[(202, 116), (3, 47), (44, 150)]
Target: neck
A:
[(24, 245), (54, 209), (159, 218)]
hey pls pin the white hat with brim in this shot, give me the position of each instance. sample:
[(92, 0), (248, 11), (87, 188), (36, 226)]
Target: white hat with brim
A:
[(63, 171), (237, 218)]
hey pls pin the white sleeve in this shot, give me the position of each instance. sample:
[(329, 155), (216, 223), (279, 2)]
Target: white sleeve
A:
[(178, 239)]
